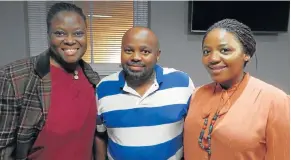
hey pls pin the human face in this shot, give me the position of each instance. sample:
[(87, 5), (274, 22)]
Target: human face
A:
[(223, 57), (139, 54), (68, 37)]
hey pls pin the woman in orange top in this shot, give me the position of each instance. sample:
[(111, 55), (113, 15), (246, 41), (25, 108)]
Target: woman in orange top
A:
[(237, 117)]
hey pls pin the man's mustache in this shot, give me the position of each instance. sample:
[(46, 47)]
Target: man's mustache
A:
[(137, 64)]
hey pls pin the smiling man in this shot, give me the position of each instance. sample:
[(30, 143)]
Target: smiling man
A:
[(142, 107)]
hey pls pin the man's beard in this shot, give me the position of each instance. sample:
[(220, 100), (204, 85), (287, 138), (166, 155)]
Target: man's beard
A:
[(141, 76)]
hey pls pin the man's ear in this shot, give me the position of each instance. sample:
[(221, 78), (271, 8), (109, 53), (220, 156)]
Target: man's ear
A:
[(158, 56)]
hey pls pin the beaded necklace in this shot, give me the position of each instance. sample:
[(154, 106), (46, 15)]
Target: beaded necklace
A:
[(207, 146)]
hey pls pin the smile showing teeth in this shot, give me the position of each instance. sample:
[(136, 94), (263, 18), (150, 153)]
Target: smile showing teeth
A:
[(70, 52)]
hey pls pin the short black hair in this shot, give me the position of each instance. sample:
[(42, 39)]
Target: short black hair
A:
[(62, 6), (240, 30)]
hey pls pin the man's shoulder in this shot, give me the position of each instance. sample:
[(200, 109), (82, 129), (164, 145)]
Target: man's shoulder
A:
[(175, 76), (175, 73), (110, 81), (110, 78), (109, 85)]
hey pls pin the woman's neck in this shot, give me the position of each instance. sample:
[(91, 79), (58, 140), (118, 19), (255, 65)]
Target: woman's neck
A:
[(230, 83), (70, 68)]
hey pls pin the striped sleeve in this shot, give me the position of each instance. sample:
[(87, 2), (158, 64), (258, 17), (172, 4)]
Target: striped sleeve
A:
[(100, 127), (191, 85), (191, 88)]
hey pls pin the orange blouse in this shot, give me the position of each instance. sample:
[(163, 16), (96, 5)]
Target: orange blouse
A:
[(253, 122)]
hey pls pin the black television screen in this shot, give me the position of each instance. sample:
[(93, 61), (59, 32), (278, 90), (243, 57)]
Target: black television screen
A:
[(260, 16)]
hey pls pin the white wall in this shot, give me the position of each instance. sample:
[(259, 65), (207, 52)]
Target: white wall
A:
[(169, 20)]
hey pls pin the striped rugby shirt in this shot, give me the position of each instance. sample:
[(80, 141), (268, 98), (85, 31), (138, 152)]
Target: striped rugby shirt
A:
[(148, 127)]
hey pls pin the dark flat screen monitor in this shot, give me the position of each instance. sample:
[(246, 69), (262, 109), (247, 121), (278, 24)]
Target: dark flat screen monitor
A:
[(260, 16)]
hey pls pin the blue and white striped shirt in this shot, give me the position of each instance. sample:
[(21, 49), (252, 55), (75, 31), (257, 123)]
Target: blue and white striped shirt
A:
[(148, 127)]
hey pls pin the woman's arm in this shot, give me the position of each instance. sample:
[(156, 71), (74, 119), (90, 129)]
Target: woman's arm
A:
[(278, 129)]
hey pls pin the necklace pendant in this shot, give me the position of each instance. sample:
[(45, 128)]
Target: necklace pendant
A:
[(76, 77)]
